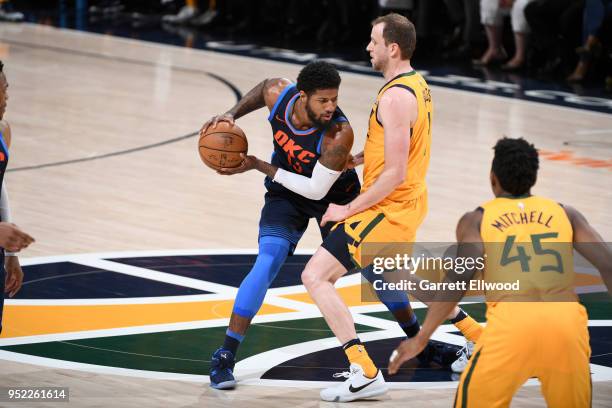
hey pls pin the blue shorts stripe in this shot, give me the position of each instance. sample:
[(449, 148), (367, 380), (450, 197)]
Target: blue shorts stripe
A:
[(281, 232)]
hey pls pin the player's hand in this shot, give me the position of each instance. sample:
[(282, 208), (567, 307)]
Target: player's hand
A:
[(12, 238), (405, 351), (248, 163), (354, 161), (212, 122), (14, 275), (335, 213)]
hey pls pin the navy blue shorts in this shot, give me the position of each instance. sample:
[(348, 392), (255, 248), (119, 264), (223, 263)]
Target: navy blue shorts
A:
[(336, 244), (287, 217)]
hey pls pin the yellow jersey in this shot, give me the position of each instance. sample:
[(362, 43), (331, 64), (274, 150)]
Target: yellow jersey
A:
[(528, 240), (420, 142)]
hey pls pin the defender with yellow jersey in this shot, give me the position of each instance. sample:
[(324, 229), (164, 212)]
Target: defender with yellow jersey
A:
[(528, 240), (397, 217), (538, 330)]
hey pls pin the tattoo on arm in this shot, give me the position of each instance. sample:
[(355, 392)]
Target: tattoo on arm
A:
[(266, 168), (250, 102), (335, 156)]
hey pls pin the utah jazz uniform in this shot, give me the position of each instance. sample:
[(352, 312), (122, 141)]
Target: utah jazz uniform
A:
[(3, 163), (540, 330), (397, 217), (285, 214)]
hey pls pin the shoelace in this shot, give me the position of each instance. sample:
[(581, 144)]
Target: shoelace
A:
[(463, 350), (345, 374)]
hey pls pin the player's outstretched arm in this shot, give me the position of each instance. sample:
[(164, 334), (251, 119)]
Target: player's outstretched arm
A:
[(263, 94), (469, 246), (591, 245)]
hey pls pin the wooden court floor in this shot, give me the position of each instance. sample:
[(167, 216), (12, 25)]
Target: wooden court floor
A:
[(104, 159)]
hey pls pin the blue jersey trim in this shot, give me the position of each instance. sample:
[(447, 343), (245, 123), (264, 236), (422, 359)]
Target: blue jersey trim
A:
[(288, 119), (4, 145), (341, 119), (320, 142), (279, 100)]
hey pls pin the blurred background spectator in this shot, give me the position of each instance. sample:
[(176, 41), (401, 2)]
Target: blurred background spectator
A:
[(7, 13), (554, 39), (596, 27)]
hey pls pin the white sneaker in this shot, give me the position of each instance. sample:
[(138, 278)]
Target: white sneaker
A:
[(464, 356), (356, 387), (12, 16), (205, 18), (184, 15)]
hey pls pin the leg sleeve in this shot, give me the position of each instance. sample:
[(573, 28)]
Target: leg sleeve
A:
[(272, 254)]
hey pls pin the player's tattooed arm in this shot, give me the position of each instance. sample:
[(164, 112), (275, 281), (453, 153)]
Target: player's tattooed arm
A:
[(337, 146), (469, 246), (263, 94)]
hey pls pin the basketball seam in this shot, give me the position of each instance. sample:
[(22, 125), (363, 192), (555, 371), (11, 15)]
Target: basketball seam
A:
[(225, 133), (220, 150)]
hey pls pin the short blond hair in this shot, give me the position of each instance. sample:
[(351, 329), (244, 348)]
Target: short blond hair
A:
[(399, 30)]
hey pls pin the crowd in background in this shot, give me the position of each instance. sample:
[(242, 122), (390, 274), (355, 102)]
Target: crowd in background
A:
[(567, 39)]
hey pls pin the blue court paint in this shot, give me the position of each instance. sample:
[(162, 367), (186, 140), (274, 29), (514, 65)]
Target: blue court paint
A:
[(67, 280), (223, 269)]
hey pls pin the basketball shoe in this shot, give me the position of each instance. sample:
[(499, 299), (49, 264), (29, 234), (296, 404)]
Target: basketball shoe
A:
[(464, 356), (356, 386), (221, 370)]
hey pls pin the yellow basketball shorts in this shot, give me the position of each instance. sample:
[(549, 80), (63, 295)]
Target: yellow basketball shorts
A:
[(522, 340), (377, 225)]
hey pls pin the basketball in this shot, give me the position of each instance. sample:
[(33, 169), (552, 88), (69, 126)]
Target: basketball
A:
[(221, 146)]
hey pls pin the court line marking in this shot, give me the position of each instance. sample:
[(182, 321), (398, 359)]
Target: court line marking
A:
[(246, 369), (155, 328), (100, 369), (118, 301), (237, 93), (593, 131), (101, 261), (305, 310), (156, 275)]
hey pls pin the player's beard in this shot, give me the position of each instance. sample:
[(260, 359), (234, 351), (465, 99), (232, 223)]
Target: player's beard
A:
[(380, 65), (321, 124)]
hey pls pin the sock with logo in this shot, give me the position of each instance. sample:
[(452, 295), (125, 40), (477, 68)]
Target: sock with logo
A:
[(356, 353), (469, 327)]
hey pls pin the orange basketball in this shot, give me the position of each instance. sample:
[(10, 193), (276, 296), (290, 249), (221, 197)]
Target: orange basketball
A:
[(221, 146)]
